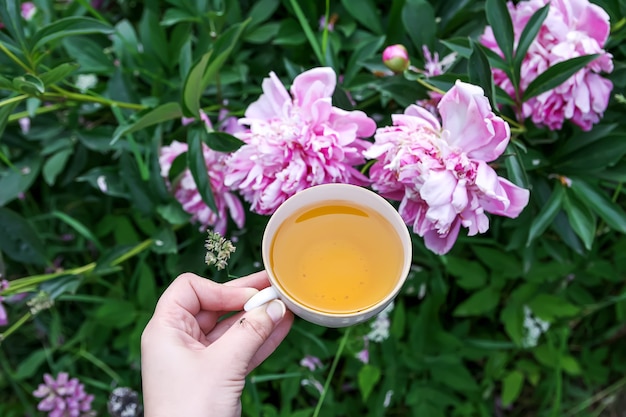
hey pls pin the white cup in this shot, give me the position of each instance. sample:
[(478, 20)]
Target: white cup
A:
[(315, 196)]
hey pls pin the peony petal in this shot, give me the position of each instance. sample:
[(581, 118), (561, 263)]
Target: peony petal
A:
[(272, 102), (517, 200), (441, 244), (313, 85), (471, 125)]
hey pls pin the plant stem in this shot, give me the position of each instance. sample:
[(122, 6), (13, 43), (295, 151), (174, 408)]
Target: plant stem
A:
[(28, 283), (40, 110), (100, 364), (14, 58), (84, 97), (430, 86), (597, 397), (13, 99), (15, 326), (331, 373)]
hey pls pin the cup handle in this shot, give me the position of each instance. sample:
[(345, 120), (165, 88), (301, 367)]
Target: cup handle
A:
[(260, 298)]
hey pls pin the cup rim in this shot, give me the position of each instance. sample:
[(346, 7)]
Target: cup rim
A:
[(391, 214)]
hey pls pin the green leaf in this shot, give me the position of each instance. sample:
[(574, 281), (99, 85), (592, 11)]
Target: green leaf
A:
[(193, 88), (173, 16), (69, 26), (596, 156), (502, 263), (479, 303), (163, 113), (594, 198), (479, 72), (551, 307), (29, 84), (164, 241), (556, 75), (462, 46), (116, 313), (364, 12), (553, 359), (583, 140), (308, 32), (20, 241), (223, 142), (546, 215), (10, 16), (5, 112), (515, 167), (581, 218), (454, 375), (263, 34), (141, 194), (6, 84), (512, 385), (470, 274), (207, 68), (198, 168), (146, 287), (107, 180), (418, 17), (262, 10), (368, 377), (55, 165), (529, 33), (78, 226), (18, 178), (29, 365), (173, 213), (89, 55), (58, 73), (499, 19), (512, 317), (361, 53)]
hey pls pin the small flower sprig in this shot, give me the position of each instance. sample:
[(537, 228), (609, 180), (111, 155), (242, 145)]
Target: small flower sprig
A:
[(218, 249)]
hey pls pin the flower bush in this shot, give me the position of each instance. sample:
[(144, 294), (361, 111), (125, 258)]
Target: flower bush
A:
[(130, 130)]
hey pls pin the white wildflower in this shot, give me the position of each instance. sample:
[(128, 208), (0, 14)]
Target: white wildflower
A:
[(85, 82), (380, 326), (534, 327)]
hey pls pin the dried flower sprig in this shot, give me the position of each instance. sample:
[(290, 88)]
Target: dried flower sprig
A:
[(218, 249)]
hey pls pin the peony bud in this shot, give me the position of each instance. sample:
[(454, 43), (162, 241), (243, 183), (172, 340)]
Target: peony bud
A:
[(396, 58)]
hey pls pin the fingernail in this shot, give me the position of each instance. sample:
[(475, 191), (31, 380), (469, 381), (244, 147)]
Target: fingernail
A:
[(276, 310)]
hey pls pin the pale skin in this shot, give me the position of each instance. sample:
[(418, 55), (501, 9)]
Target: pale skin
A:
[(194, 361)]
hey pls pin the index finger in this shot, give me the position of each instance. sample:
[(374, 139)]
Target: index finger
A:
[(194, 294), (258, 280)]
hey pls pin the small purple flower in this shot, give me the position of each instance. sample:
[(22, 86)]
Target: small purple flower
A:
[(311, 362), (4, 318), (63, 397)]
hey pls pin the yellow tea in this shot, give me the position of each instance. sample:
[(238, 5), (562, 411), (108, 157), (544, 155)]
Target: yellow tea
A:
[(337, 258)]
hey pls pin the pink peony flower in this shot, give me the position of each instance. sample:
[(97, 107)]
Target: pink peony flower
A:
[(439, 172), (187, 194), (28, 10), (572, 28), (396, 58), (63, 397), (296, 141)]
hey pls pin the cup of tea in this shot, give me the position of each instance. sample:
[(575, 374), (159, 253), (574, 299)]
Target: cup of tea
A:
[(335, 254)]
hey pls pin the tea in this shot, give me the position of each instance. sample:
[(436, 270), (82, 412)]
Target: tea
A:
[(337, 258)]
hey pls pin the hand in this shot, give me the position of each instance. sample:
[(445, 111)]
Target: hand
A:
[(193, 363)]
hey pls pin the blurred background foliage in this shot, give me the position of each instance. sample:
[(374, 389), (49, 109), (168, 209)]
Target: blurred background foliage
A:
[(87, 221)]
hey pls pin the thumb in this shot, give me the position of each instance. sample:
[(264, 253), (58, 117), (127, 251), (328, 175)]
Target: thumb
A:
[(246, 336)]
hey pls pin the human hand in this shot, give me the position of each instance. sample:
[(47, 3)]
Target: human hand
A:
[(193, 363)]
